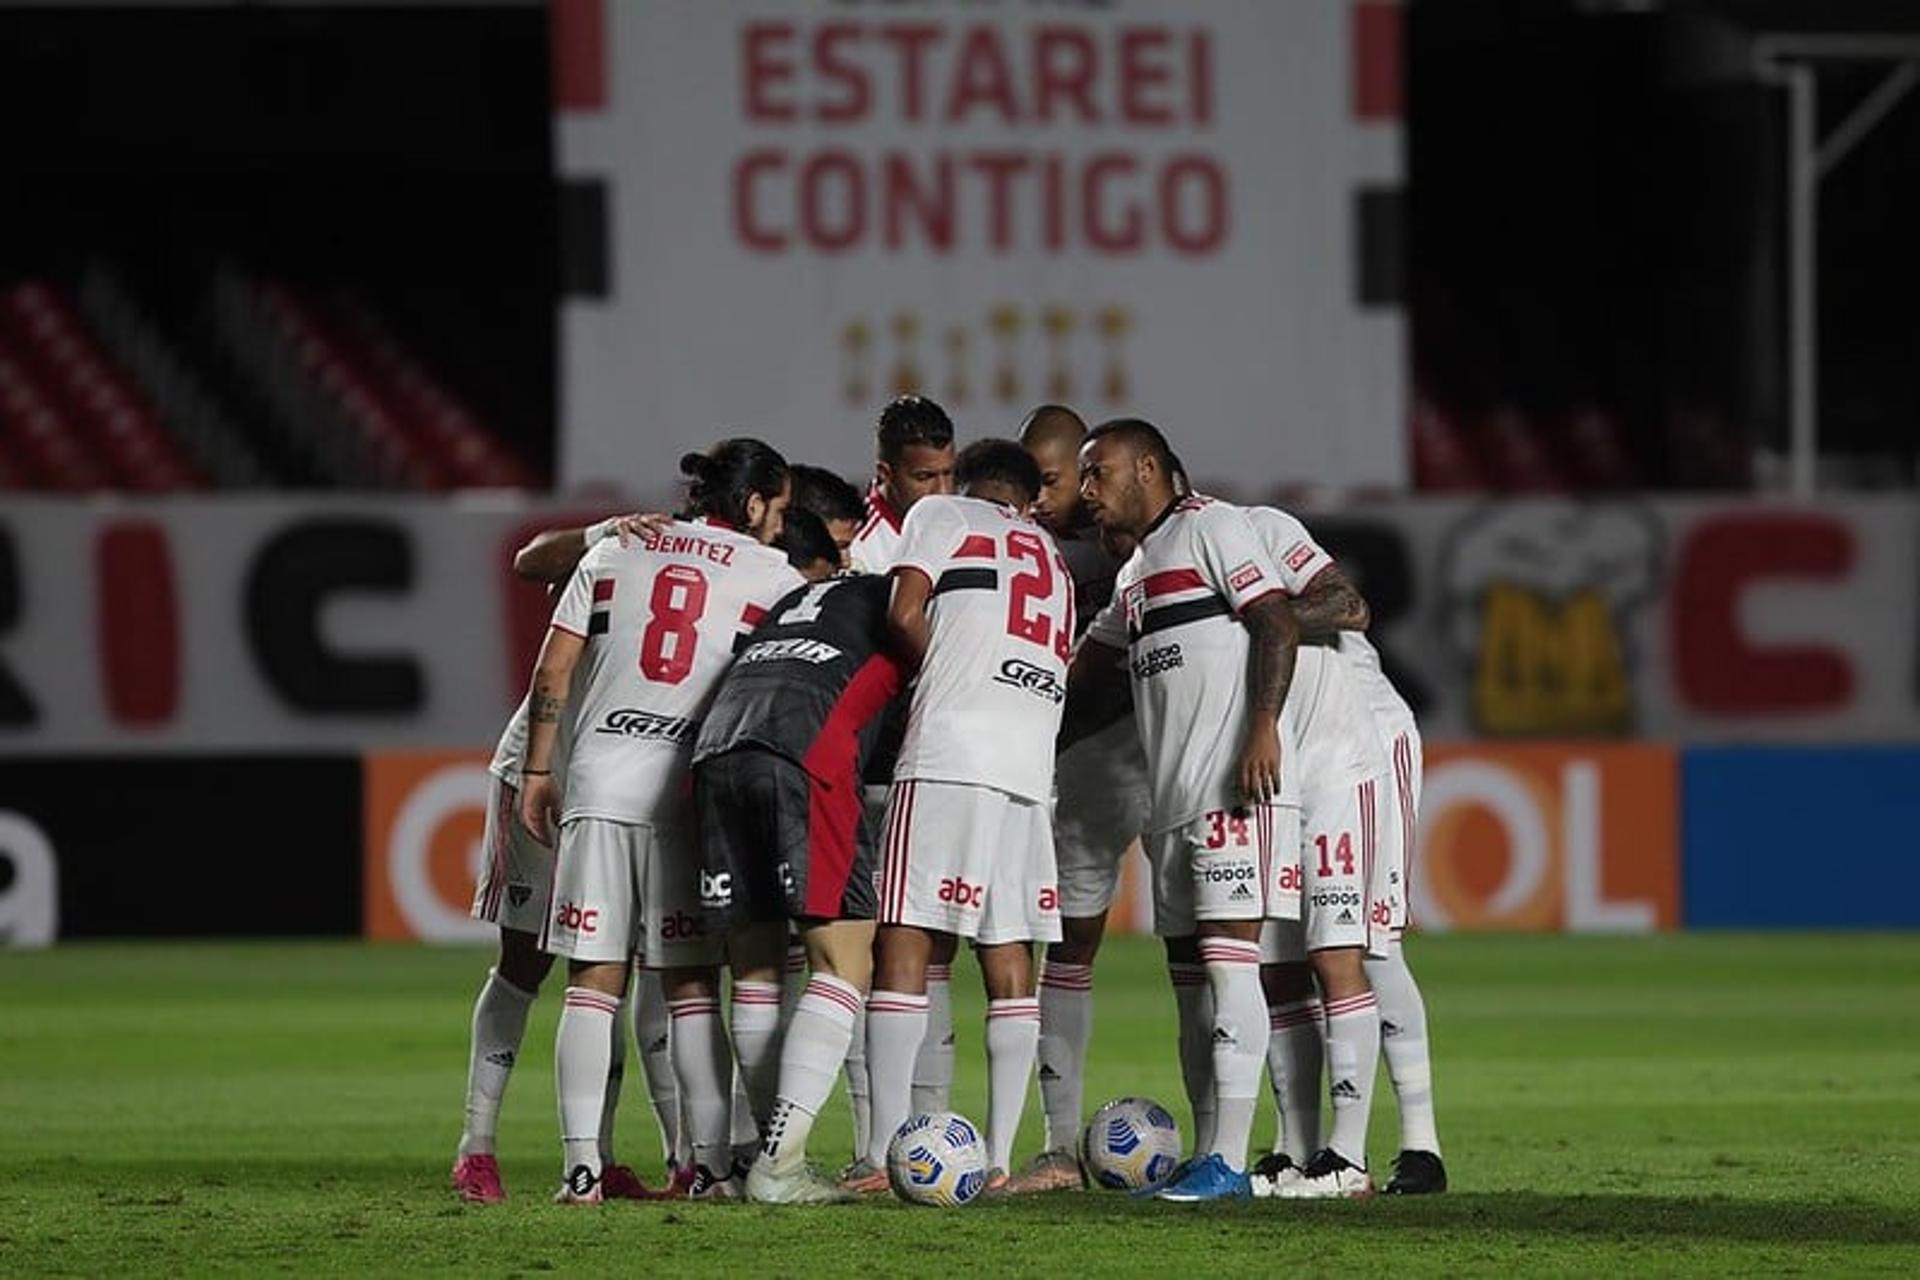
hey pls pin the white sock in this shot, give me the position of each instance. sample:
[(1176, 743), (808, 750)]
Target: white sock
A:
[(1066, 1025), (616, 1078), (499, 1024), (810, 1055), (1193, 1003), (582, 1051), (1013, 1037), (1239, 1042), (933, 1065), (896, 1023), (703, 1065), (1293, 1066), (1353, 1055), (859, 1091), (756, 1046), (1403, 1038), (652, 1033), (793, 976)]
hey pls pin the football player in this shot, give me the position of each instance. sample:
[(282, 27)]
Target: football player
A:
[(982, 611), (785, 837), (513, 891), (1208, 644), (650, 628), (1101, 804)]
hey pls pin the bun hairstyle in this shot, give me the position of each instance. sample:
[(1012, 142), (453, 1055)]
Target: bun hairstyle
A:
[(720, 481)]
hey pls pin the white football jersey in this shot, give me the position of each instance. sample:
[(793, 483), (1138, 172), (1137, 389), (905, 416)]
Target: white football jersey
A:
[(660, 617), (986, 706), (1300, 560), (877, 545), (1175, 613)]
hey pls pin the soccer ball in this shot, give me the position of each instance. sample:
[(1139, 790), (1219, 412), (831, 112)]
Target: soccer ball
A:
[(937, 1158), (1131, 1143)]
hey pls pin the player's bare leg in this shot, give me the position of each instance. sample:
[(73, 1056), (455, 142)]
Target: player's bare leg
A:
[(896, 1023), (582, 1059), (840, 961), (1418, 1169), (1193, 1004), (1013, 1039), (703, 1065), (1295, 1058), (1353, 1058), (499, 1025), (1066, 1027), (933, 1065), (758, 956)]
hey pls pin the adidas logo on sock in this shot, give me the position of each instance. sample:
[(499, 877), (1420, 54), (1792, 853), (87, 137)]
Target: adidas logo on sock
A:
[(1223, 1036), (1345, 1090), (501, 1058), (1048, 1073), (1389, 1028), (1240, 894), (657, 1045)]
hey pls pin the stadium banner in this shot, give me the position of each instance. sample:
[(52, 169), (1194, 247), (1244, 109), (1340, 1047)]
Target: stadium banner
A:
[(1580, 838), (1802, 837), (190, 846), (788, 211), (425, 816), (344, 624)]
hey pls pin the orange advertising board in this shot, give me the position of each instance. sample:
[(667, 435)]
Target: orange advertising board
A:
[(1580, 837), (425, 815)]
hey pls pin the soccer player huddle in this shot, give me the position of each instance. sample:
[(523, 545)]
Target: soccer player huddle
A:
[(816, 743)]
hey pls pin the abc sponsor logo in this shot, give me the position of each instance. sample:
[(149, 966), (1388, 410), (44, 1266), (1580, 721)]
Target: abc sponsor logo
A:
[(716, 891), (1290, 878), (1049, 898), (574, 918), (678, 926), (961, 893), (1580, 838)]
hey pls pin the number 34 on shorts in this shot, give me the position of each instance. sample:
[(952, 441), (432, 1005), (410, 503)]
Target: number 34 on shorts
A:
[(1257, 846)]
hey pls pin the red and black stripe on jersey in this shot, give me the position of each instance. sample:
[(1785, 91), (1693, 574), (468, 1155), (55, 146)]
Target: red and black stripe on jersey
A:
[(1199, 601), (599, 619), (813, 681), (976, 546)]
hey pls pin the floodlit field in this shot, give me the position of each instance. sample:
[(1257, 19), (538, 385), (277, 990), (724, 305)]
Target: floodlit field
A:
[(1687, 1104)]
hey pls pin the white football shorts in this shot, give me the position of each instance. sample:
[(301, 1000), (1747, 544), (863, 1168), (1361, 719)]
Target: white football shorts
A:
[(628, 890), (515, 883), (1100, 785), (969, 860), (1228, 864), (1399, 826), (1339, 847)]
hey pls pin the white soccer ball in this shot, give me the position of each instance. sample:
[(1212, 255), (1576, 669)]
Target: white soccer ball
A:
[(937, 1158), (1131, 1143)]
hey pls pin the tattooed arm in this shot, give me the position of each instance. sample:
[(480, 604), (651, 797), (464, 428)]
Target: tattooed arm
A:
[(546, 702), (1274, 642), (1330, 604)]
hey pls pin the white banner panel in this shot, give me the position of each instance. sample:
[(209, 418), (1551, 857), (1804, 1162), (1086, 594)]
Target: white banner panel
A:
[(1138, 207)]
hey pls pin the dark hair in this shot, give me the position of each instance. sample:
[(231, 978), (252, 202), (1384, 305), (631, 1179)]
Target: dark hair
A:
[(998, 462), (1143, 437), (912, 420), (825, 494), (805, 539), (727, 474)]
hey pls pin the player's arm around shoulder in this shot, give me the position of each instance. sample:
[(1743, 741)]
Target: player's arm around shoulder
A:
[(551, 555)]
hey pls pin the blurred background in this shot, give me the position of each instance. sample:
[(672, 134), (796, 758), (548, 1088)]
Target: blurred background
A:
[(1581, 329)]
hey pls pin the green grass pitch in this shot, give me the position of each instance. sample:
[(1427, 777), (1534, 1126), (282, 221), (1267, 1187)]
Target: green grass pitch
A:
[(1686, 1104)]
